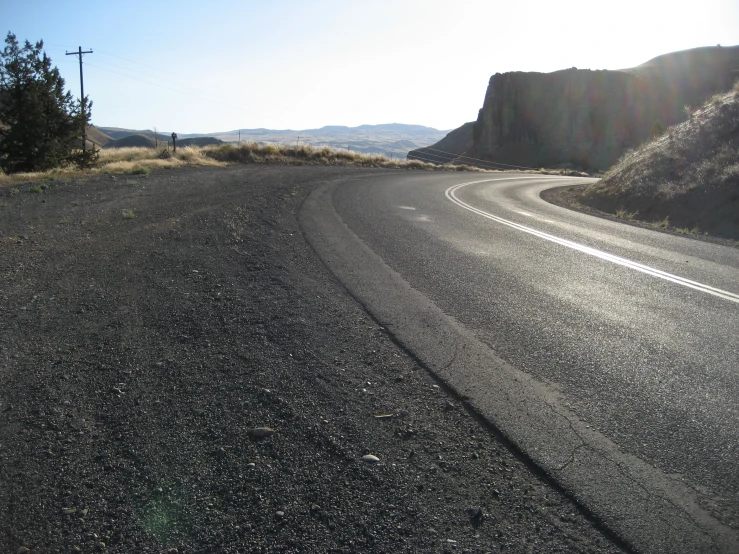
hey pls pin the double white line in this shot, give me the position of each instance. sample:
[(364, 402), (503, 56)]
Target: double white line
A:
[(730, 296)]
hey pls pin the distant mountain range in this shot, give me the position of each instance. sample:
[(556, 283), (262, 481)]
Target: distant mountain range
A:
[(391, 139)]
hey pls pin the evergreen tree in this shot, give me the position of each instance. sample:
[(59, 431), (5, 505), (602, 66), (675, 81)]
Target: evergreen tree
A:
[(40, 123)]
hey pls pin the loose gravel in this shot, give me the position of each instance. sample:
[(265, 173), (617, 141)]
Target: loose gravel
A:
[(179, 373)]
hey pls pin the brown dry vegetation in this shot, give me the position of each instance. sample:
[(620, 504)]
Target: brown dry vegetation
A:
[(134, 160), (688, 177)]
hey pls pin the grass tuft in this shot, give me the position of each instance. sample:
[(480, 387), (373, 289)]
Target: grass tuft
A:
[(141, 170), (624, 214), (128, 214)]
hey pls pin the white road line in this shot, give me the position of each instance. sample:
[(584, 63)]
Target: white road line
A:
[(726, 295)]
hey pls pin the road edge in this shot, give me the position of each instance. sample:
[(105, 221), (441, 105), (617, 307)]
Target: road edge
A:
[(645, 508)]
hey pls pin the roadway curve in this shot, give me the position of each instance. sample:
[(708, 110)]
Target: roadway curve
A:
[(608, 354)]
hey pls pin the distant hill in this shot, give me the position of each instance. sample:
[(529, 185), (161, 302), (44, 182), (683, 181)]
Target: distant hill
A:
[(119, 133), (131, 141), (390, 139), (96, 137), (585, 118), (198, 141)]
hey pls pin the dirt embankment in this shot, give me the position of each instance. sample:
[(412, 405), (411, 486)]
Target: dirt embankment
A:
[(685, 181), (148, 324)]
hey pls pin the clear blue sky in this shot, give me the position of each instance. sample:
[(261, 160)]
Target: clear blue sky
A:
[(198, 67)]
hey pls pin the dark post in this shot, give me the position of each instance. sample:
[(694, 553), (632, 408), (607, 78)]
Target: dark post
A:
[(174, 142), (82, 95)]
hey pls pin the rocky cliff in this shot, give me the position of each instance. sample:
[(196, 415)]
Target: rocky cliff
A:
[(587, 118)]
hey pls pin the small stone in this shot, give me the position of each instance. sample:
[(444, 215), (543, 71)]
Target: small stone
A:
[(370, 459), (23, 550), (437, 388), (100, 545), (315, 508), (68, 511), (84, 511), (251, 465), (404, 413), (279, 514), (476, 513), (172, 551), (260, 432)]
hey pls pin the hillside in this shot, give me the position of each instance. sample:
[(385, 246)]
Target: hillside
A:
[(97, 137), (119, 133), (131, 141), (446, 150), (686, 179), (586, 118), (393, 140)]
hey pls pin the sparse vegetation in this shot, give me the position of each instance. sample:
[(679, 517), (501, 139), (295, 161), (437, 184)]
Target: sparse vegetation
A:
[(141, 170), (657, 129), (623, 214), (141, 161), (36, 189), (689, 176), (128, 214)]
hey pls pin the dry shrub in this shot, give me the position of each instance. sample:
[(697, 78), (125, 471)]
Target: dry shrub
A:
[(133, 159)]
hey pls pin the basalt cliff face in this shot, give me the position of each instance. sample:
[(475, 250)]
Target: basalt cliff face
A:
[(586, 118)]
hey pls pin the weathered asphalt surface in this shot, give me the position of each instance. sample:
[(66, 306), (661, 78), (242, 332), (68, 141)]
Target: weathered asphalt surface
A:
[(622, 385)]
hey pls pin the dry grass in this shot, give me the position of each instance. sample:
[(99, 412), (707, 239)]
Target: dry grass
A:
[(138, 160), (686, 178)]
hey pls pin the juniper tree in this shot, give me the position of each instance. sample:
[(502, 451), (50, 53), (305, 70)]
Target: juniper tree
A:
[(40, 122)]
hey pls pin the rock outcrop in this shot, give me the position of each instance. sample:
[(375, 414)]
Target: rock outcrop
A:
[(586, 118)]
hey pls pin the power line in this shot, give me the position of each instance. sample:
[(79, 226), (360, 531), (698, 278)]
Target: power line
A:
[(478, 159), (219, 101), (154, 84), (80, 53)]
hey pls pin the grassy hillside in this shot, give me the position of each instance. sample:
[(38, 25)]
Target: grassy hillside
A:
[(96, 137), (131, 141), (686, 179)]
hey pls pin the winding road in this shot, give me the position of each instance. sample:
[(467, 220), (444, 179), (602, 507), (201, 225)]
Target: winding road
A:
[(607, 354)]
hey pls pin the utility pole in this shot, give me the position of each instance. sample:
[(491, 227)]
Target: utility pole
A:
[(239, 137), (82, 95)]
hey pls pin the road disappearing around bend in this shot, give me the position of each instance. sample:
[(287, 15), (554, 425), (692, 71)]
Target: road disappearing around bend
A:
[(608, 354)]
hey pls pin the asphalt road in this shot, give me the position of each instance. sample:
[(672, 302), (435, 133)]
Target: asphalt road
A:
[(608, 354)]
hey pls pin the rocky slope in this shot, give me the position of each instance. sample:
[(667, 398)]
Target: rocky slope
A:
[(686, 180), (586, 118)]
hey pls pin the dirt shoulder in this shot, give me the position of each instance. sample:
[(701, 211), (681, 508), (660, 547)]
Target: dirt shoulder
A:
[(148, 324)]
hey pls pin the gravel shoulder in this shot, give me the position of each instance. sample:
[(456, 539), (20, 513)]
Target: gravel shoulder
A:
[(147, 325)]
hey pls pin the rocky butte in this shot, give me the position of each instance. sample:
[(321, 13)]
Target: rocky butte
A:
[(585, 118)]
